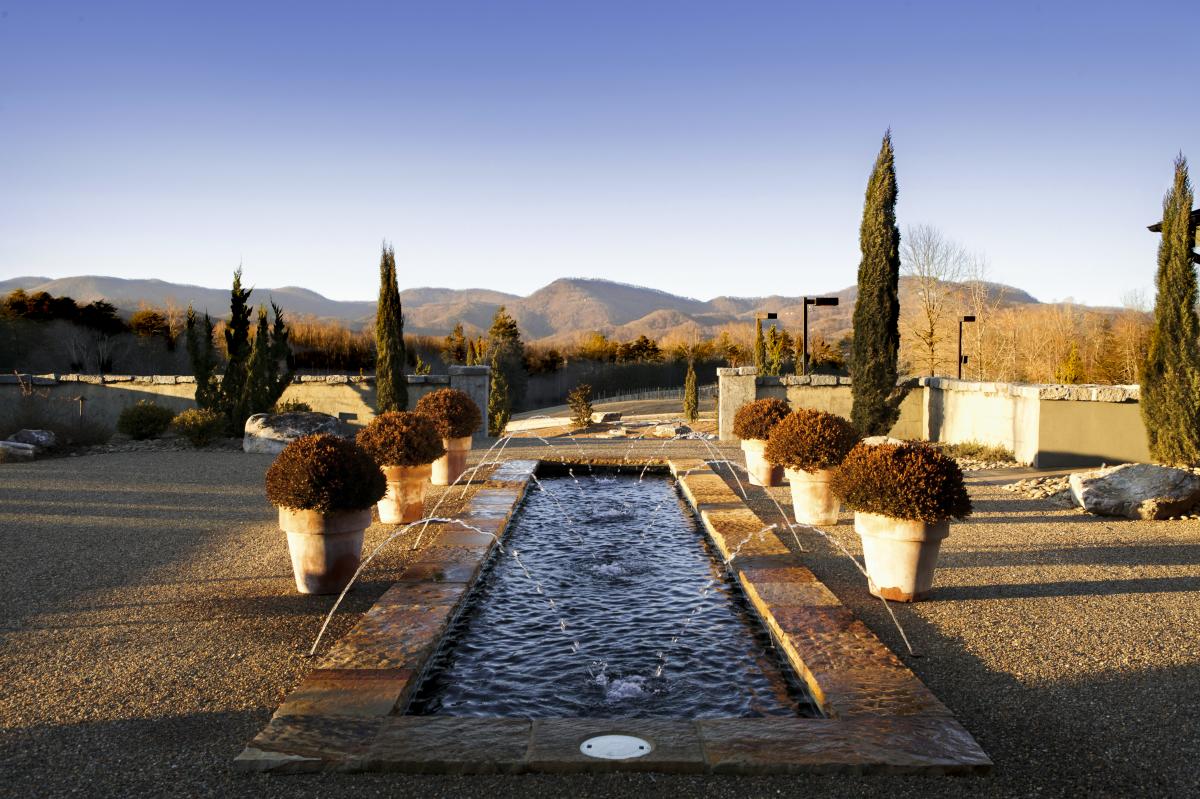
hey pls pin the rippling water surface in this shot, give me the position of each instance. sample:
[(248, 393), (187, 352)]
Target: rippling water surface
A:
[(586, 614)]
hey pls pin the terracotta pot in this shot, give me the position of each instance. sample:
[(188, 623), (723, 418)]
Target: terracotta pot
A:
[(325, 547), (812, 501), (450, 466), (762, 473), (405, 498), (900, 555)]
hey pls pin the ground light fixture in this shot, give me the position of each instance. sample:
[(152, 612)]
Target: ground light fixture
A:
[(962, 358), (807, 302)]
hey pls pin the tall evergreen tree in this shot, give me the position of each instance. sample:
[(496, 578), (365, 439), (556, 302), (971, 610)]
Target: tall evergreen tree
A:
[(391, 384), (454, 347), (873, 367), (691, 394), (760, 347), (203, 356), (237, 352), (1170, 399), (505, 352), (257, 389), (499, 403)]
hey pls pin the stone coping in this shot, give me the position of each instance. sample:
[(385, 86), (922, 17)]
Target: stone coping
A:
[(347, 715), (52, 378), (1041, 391)]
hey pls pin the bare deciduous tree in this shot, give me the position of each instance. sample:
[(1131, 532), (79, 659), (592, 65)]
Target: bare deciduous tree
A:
[(983, 300), (933, 263)]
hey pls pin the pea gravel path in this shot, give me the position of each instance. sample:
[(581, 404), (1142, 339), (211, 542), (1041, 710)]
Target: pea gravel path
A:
[(150, 627)]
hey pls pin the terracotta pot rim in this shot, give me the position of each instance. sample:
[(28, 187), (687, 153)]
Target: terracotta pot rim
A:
[(396, 472), (337, 522), (903, 529)]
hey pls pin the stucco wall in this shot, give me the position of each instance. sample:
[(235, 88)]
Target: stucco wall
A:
[(1043, 425), (349, 397)]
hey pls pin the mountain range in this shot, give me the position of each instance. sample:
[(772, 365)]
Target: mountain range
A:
[(561, 311)]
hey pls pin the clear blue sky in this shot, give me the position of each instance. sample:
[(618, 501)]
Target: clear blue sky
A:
[(701, 148)]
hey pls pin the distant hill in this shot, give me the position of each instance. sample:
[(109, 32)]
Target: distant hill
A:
[(564, 310)]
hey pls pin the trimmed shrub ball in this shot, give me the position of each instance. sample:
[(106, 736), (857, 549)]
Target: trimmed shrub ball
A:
[(755, 419), (453, 413), (401, 438), (324, 473), (810, 440), (905, 481)]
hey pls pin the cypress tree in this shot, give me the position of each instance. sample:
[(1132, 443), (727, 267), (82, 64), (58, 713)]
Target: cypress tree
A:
[(256, 393), (1171, 372), (391, 384), (506, 353), (237, 351), (691, 394), (760, 347), (499, 403), (203, 356), (876, 400), (279, 372)]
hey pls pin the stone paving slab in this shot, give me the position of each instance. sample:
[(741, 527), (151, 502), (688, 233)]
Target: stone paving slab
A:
[(880, 717), (449, 745), (555, 743), (798, 745)]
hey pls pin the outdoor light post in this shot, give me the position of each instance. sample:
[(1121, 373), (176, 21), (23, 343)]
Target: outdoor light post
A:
[(962, 358), (807, 302)]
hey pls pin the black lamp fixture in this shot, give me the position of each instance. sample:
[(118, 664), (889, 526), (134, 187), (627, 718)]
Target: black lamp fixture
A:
[(962, 358), (823, 301)]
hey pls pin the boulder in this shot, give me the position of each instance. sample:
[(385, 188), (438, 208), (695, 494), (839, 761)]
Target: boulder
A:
[(16, 451), (672, 429), (269, 433), (41, 439), (600, 417), (1136, 491)]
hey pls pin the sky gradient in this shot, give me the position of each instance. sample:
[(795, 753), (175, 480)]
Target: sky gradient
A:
[(701, 148)]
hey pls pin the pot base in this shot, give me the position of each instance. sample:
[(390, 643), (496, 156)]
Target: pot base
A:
[(760, 471)]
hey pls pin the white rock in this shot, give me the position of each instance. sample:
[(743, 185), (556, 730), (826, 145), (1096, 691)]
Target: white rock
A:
[(14, 450), (41, 439), (600, 417), (1136, 491), (269, 433), (672, 429)]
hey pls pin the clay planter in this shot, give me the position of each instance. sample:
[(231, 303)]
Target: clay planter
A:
[(762, 473), (325, 547), (812, 501), (405, 498), (450, 466), (900, 555)]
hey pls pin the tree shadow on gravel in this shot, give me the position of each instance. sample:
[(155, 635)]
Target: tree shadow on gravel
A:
[(1132, 732)]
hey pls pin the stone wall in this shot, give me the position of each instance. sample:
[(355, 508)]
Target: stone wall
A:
[(1044, 425), (349, 397)]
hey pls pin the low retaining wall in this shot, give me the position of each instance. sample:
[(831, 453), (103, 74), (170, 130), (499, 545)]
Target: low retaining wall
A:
[(1044, 425), (103, 397)]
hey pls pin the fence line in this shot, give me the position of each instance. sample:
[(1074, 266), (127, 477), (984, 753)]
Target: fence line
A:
[(706, 392)]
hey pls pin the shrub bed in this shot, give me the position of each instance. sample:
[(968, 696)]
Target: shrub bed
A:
[(199, 426), (144, 420)]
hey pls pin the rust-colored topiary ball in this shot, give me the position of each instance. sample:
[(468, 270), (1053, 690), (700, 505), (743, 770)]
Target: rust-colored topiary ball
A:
[(755, 419), (905, 481), (324, 473), (453, 412), (810, 440), (401, 438)]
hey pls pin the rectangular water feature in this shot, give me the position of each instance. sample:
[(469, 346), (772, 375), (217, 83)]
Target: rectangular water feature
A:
[(606, 602)]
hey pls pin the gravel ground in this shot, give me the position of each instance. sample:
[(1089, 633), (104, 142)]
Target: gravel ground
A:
[(150, 627)]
